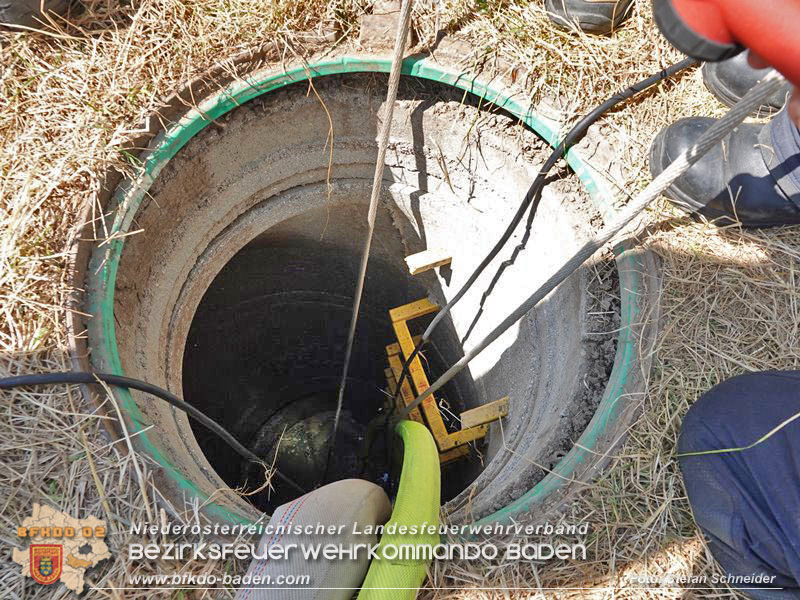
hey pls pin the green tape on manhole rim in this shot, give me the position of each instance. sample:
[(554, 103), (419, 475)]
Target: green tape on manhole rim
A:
[(105, 260)]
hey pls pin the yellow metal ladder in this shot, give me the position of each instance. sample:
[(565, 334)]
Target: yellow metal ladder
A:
[(474, 422)]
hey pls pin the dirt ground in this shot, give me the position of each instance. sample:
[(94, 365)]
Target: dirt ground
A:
[(71, 95)]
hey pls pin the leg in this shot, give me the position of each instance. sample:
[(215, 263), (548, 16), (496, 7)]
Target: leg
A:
[(340, 504), (751, 177), (754, 176), (748, 503)]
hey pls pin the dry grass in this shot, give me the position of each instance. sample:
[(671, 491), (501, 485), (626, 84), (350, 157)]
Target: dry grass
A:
[(71, 96)]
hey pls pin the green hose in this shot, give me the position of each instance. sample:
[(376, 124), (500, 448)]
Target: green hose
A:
[(417, 504)]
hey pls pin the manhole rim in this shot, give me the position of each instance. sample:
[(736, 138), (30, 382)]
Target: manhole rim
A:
[(633, 266)]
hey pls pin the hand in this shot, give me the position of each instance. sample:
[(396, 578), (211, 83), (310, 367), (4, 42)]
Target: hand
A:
[(794, 102)]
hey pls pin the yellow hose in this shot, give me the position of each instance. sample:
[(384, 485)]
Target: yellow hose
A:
[(417, 504)]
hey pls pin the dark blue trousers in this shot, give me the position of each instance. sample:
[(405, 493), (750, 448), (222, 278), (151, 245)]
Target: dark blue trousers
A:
[(748, 503), (780, 147)]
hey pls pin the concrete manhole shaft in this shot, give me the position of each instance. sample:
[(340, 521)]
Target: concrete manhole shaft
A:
[(237, 294)]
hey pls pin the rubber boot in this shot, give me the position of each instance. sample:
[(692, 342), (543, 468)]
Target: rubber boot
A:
[(753, 177), (28, 13), (592, 16), (729, 80)]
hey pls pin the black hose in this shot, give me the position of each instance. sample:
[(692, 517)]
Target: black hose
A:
[(78, 377), (534, 195)]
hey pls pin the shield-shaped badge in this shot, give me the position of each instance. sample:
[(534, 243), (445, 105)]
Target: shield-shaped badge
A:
[(46, 563)]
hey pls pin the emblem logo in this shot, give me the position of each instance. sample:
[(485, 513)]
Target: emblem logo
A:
[(46, 562)]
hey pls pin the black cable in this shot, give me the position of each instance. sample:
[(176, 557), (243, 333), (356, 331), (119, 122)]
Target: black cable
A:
[(534, 195), (78, 377)]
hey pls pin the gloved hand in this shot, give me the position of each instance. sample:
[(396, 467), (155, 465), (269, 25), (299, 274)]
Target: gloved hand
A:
[(718, 29)]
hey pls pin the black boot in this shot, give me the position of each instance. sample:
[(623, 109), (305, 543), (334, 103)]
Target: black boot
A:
[(753, 177), (592, 16), (28, 13), (730, 79)]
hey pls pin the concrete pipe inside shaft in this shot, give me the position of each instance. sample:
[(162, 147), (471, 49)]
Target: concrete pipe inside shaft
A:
[(237, 292), (265, 350)]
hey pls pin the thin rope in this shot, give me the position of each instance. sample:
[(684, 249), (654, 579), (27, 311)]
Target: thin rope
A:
[(760, 440), (713, 135), (383, 142)]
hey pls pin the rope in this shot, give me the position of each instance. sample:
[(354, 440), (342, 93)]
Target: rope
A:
[(713, 135), (383, 142)]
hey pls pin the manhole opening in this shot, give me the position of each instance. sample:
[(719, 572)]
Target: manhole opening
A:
[(239, 292), (265, 351)]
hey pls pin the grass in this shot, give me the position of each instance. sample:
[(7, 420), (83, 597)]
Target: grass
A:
[(72, 95)]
